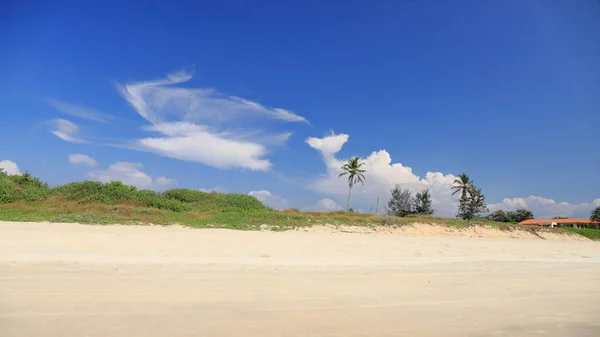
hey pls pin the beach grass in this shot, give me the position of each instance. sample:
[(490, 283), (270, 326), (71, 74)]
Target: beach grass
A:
[(589, 233)]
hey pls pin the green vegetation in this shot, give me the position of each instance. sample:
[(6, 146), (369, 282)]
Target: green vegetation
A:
[(22, 187), (402, 203), (114, 193), (472, 201), (517, 216), (589, 233), (25, 198), (352, 168), (463, 185), (595, 216)]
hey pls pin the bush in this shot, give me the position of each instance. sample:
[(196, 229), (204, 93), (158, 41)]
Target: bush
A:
[(186, 195), (27, 188), (22, 187), (215, 200), (115, 192), (153, 199), (8, 191)]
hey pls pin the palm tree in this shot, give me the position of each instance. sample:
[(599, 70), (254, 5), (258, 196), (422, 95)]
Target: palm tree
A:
[(355, 174), (595, 215), (463, 185)]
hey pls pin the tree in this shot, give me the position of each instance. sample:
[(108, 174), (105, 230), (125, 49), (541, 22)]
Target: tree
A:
[(463, 185), (401, 202), (517, 216), (473, 205), (422, 203), (499, 215), (520, 215), (352, 168), (595, 215)]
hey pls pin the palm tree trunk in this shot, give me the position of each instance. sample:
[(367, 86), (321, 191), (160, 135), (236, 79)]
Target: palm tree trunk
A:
[(348, 204)]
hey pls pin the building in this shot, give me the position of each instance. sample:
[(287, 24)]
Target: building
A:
[(570, 222)]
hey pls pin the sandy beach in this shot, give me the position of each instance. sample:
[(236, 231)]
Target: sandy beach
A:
[(80, 280)]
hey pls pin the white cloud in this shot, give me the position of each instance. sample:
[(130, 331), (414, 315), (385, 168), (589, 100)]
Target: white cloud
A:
[(164, 181), (158, 100), (78, 111), (203, 125), (381, 176), (192, 142), (9, 167), (326, 204), (546, 208), (269, 199), (82, 159), (65, 130), (212, 190), (130, 174)]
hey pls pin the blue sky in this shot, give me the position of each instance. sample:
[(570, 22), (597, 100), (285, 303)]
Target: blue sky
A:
[(271, 98)]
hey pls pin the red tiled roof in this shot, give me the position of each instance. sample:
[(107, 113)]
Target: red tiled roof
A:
[(558, 221)]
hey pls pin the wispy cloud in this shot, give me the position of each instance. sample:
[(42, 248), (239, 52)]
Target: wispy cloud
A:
[(82, 159), (65, 130), (131, 174), (203, 125), (78, 111), (159, 101)]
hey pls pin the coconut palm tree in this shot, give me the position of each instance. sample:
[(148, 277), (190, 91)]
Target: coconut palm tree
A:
[(463, 185), (595, 215), (352, 168)]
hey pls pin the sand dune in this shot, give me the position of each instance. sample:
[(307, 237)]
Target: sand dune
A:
[(77, 280)]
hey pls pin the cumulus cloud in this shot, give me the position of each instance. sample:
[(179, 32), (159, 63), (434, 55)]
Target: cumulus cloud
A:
[(131, 174), (78, 111), (203, 125), (82, 159), (382, 175), (328, 205), (269, 199), (546, 208), (9, 167), (65, 130)]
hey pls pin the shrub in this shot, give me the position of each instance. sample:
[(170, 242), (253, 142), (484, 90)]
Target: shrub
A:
[(115, 192), (215, 201), (186, 195), (153, 199), (8, 193), (22, 187)]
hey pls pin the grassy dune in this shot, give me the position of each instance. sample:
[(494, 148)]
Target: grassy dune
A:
[(26, 198)]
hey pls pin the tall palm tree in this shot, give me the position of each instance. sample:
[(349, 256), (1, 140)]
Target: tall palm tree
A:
[(463, 185), (352, 168)]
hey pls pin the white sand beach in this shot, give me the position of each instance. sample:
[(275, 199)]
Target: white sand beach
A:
[(63, 280)]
